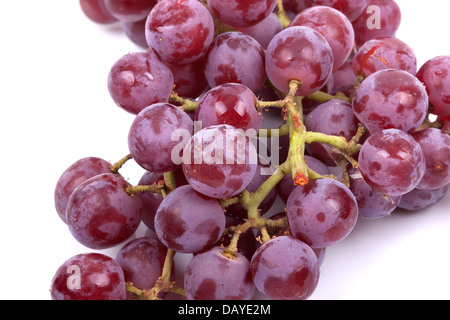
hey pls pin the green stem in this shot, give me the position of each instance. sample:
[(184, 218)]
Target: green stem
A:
[(321, 97), (118, 165), (186, 104), (169, 180), (154, 188), (284, 19)]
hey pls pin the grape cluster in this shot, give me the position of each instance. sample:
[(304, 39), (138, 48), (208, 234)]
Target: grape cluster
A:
[(237, 103)]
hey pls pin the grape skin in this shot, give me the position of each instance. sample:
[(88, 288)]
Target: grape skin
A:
[(138, 80), (150, 139), (213, 168), (417, 199), (100, 278), (392, 162), (97, 11), (391, 99), (212, 275), (264, 31), (285, 268), (302, 54), (130, 11), (351, 8), (187, 221), (234, 57), (100, 214), (322, 213), (73, 176), (179, 31)]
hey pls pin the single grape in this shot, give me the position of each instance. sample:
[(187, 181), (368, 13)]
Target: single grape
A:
[(302, 54), (187, 221), (351, 8), (344, 77), (241, 13), (392, 162), (142, 261), (138, 80), (189, 79), (154, 135), (384, 53), (391, 99), (435, 145), (235, 57), (334, 117), (285, 268), (286, 185), (417, 199), (101, 214), (381, 18), (73, 176), (88, 276), (180, 31), (371, 204), (296, 6), (334, 26), (97, 11), (230, 103), (150, 200), (219, 161), (435, 75), (130, 11), (216, 275), (135, 31), (265, 30), (322, 213)]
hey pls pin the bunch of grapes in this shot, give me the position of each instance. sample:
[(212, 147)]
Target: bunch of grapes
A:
[(237, 103)]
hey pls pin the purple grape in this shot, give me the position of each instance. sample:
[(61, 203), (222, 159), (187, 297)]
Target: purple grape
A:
[(187, 221), (88, 276), (435, 145), (391, 99), (142, 261), (73, 176), (392, 162), (219, 161), (264, 31), (285, 268), (343, 77), (100, 214), (231, 103), (435, 75), (212, 275), (384, 53), (372, 24), (371, 204), (234, 57), (334, 26), (286, 185), (97, 11), (241, 13), (138, 80), (417, 199), (150, 200), (180, 31), (130, 11), (334, 117), (322, 213), (302, 54), (153, 136)]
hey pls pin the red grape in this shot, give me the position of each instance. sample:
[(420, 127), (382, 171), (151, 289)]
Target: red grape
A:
[(138, 80), (131, 11), (152, 136), (212, 275), (322, 213), (302, 54), (88, 276), (392, 162), (265, 30), (97, 11), (101, 214), (180, 31), (285, 268), (391, 99), (351, 8), (187, 221), (417, 199)]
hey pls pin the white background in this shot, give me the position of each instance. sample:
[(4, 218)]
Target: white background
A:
[(55, 109)]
